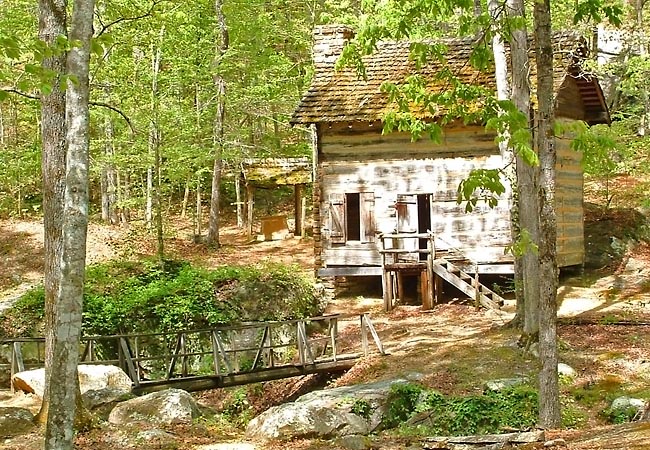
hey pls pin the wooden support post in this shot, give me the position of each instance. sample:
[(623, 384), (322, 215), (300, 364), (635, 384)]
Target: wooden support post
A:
[(364, 334), (215, 352), (425, 287), (297, 207), (126, 351), (437, 288), (400, 286), (303, 215), (17, 363), (250, 196), (477, 287)]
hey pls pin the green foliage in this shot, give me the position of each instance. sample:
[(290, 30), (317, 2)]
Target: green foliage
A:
[(480, 184), (490, 412), (362, 408), (620, 415), (402, 401), (140, 296), (238, 410), (21, 318)]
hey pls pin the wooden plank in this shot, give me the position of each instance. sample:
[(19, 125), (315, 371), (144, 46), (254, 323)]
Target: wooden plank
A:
[(349, 271), (193, 384), (126, 351)]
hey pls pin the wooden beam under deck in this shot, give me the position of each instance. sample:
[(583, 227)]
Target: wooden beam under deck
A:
[(200, 383)]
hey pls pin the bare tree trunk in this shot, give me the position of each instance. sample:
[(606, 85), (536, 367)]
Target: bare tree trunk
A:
[(239, 201), (218, 128), (52, 23), (527, 208), (549, 399), (148, 208), (199, 214), (186, 197), (2, 126), (59, 432), (153, 175), (109, 177)]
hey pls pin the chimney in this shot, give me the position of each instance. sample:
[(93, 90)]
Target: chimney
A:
[(329, 41)]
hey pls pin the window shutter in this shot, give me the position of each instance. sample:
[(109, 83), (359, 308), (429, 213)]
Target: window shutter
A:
[(337, 218), (367, 213)]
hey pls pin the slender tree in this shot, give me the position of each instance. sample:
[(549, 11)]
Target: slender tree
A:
[(549, 399), (52, 24), (63, 394), (218, 124)]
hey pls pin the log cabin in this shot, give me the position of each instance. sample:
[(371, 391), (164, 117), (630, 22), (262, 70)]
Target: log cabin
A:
[(386, 205)]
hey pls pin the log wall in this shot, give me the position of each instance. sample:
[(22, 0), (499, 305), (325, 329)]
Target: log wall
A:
[(360, 159)]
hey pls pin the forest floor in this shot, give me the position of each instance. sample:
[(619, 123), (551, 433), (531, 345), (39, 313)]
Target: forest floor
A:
[(604, 335)]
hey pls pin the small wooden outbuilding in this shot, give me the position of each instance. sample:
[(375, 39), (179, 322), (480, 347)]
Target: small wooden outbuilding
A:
[(268, 173), (384, 204)]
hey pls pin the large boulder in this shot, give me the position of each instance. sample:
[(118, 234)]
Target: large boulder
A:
[(343, 411), (102, 401), (171, 406), (15, 421), (91, 377)]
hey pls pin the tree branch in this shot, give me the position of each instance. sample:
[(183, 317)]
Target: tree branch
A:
[(105, 27), (102, 104), (20, 93), (117, 110)]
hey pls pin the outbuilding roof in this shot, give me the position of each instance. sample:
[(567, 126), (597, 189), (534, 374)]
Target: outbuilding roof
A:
[(343, 96)]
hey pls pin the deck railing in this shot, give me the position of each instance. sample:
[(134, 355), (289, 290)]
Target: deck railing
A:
[(219, 352)]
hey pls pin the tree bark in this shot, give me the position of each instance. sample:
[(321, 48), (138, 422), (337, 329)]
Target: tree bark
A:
[(52, 23), (549, 402), (109, 177), (153, 175), (218, 128), (527, 205), (59, 432)]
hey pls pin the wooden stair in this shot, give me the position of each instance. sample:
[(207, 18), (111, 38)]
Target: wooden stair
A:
[(467, 284)]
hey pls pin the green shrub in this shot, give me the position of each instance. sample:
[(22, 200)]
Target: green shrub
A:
[(143, 296), (402, 401), (491, 412)]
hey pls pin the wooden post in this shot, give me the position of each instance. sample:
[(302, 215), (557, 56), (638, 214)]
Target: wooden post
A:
[(297, 209), (239, 203), (303, 215), (400, 286), (250, 195), (477, 286)]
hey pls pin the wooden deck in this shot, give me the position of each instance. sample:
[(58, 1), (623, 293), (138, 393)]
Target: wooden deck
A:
[(226, 356)]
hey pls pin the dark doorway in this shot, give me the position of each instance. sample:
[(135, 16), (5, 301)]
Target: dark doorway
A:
[(424, 220)]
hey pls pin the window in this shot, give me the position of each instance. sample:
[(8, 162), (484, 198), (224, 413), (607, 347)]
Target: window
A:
[(352, 217)]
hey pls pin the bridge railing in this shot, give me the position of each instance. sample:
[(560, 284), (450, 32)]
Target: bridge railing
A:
[(221, 351)]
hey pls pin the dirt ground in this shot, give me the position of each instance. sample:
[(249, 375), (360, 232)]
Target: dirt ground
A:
[(452, 347)]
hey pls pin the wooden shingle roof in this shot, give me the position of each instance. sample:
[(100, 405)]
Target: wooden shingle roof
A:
[(343, 96)]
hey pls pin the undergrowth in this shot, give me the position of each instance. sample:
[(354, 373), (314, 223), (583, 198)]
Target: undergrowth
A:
[(142, 296), (415, 410)]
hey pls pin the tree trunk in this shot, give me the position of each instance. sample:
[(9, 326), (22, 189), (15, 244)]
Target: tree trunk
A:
[(153, 175), (186, 197), (199, 213), (218, 128), (59, 432), (527, 206), (549, 403), (52, 23), (109, 177), (240, 202)]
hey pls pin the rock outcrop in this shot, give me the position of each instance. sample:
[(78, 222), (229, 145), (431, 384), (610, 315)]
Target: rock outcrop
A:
[(171, 406), (344, 411), (15, 421), (91, 377)]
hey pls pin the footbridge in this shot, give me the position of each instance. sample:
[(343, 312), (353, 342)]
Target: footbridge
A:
[(196, 360)]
